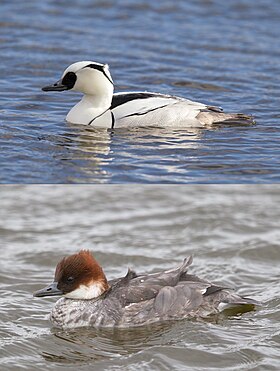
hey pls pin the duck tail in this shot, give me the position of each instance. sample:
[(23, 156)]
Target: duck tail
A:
[(215, 115), (235, 119), (236, 301), (245, 300)]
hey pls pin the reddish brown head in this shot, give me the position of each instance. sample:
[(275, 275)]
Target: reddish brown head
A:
[(77, 276)]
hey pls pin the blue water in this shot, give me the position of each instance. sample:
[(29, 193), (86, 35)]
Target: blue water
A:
[(218, 52)]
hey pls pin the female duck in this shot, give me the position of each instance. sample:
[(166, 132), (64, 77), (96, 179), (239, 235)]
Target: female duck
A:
[(101, 108), (134, 300)]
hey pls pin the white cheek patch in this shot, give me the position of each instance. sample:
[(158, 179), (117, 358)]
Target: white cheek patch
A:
[(86, 292)]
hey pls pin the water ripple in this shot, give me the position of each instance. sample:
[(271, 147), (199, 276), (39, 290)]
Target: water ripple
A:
[(235, 241)]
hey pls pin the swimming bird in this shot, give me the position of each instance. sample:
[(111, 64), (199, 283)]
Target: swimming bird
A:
[(89, 299), (100, 107)]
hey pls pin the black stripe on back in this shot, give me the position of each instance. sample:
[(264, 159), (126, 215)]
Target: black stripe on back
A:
[(119, 99)]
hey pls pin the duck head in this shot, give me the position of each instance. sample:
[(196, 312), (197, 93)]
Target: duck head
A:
[(88, 77), (77, 276)]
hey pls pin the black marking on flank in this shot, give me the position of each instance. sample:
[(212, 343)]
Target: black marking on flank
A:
[(99, 67), (96, 117), (69, 80), (144, 113), (113, 120)]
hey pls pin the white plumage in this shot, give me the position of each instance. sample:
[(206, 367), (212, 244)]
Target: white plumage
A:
[(100, 107)]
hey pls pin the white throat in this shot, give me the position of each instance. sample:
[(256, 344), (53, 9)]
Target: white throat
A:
[(89, 108), (84, 292)]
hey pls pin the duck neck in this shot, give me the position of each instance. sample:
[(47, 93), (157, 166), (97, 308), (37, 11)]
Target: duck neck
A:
[(90, 107), (97, 102)]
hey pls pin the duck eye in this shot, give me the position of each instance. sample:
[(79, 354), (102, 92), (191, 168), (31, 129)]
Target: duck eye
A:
[(70, 279), (69, 80)]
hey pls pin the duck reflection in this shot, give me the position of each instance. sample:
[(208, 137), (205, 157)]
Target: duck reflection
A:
[(99, 155), (87, 344)]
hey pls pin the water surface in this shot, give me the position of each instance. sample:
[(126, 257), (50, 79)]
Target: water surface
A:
[(217, 52), (233, 233)]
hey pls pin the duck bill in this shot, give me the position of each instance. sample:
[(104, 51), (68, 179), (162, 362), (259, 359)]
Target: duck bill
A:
[(58, 86), (50, 290)]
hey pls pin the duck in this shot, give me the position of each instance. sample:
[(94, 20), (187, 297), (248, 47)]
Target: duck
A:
[(101, 107), (90, 300)]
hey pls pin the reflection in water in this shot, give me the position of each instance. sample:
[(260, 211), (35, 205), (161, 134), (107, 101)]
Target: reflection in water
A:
[(96, 141), (81, 345), (90, 152), (84, 344), (99, 141), (82, 152)]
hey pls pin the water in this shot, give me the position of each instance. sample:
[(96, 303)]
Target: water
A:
[(232, 231), (218, 52)]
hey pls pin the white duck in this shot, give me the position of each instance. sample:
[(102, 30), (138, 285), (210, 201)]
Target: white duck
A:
[(100, 107)]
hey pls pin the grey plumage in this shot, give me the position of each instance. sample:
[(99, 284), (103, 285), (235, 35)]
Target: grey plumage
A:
[(139, 299), (171, 294)]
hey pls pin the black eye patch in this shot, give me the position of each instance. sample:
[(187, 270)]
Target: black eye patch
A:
[(69, 80)]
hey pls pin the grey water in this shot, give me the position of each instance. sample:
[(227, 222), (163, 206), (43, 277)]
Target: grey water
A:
[(223, 53), (232, 232)]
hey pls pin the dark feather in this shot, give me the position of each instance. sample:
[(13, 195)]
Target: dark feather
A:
[(119, 99)]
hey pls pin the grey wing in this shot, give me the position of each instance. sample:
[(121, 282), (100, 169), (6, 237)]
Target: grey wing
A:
[(177, 301), (166, 278), (138, 288)]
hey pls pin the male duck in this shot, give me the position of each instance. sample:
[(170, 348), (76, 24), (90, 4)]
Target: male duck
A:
[(99, 107)]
